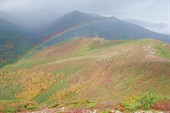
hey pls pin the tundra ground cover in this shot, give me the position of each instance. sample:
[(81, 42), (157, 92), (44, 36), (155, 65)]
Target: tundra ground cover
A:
[(87, 69)]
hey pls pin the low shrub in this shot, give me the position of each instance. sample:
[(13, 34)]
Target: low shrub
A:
[(163, 105), (107, 111), (120, 107), (10, 110), (28, 105), (132, 103), (92, 104), (142, 101)]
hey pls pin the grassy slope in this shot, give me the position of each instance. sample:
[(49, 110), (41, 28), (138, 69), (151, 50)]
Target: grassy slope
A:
[(93, 69)]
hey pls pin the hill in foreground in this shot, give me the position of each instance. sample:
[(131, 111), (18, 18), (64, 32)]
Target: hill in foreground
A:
[(88, 73)]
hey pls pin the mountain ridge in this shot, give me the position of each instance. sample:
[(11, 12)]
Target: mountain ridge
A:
[(83, 24), (106, 27)]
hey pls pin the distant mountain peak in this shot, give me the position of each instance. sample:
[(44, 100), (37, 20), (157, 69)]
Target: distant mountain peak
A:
[(77, 14), (71, 19)]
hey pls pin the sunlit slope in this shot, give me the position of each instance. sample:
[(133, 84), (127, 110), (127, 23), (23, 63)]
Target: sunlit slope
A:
[(89, 68)]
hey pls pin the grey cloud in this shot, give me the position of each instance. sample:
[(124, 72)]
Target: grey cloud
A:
[(43, 11)]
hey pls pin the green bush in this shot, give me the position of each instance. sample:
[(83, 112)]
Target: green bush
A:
[(142, 101), (107, 111), (10, 110), (148, 99), (92, 104), (30, 105)]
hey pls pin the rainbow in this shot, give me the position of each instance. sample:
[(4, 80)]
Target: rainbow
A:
[(47, 40), (58, 34)]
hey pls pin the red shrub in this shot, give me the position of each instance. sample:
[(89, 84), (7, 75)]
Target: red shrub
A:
[(162, 105), (120, 107)]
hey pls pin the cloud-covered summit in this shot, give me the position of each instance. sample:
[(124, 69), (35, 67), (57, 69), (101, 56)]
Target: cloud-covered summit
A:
[(34, 12)]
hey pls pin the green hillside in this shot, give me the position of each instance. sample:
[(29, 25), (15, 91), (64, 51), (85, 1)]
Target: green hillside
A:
[(86, 73)]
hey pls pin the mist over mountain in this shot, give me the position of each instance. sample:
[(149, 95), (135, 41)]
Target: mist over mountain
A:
[(146, 23), (154, 26), (34, 14)]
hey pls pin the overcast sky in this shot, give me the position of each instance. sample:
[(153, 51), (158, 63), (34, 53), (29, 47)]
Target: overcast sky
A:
[(40, 11)]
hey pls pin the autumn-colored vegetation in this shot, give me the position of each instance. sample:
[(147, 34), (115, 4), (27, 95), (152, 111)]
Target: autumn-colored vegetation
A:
[(145, 101), (27, 84), (90, 69), (163, 105)]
